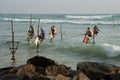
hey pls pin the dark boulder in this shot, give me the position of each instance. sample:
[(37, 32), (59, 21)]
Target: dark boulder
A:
[(97, 71), (61, 77), (72, 73), (5, 71), (6, 68), (41, 61), (11, 77), (64, 70), (58, 69), (80, 76), (115, 76), (40, 70)]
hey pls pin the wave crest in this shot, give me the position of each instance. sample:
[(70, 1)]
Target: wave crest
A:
[(89, 17), (76, 19), (112, 50)]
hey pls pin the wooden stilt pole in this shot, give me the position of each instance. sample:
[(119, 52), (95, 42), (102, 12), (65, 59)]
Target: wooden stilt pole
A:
[(61, 32), (38, 27), (94, 39), (29, 28), (31, 20), (11, 44), (38, 32), (13, 52)]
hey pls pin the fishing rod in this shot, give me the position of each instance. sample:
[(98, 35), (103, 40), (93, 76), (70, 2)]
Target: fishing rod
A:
[(78, 35)]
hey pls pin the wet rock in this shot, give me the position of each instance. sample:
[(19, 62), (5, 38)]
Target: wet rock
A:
[(6, 68), (58, 69), (51, 70), (25, 69), (41, 61), (26, 77), (72, 73), (97, 71), (61, 77), (5, 71), (40, 78), (115, 76), (41, 68), (80, 76), (11, 77), (64, 70)]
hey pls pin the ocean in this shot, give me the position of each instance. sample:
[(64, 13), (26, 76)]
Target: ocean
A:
[(70, 49)]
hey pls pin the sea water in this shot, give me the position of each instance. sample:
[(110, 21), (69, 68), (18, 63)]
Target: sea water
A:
[(70, 49)]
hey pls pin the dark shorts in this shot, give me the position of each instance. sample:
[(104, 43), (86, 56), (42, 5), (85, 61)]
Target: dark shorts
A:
[(89, 35)]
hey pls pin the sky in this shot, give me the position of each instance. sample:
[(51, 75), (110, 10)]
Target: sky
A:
[(60, 6)]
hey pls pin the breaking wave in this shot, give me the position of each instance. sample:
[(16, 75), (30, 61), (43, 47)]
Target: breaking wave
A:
[(111, 50), (63, 21), (70, 19), (89, 17)]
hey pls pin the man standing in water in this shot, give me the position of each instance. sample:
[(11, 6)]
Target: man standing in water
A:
[(52, 32), (31, 32), (95, 30), (42, 35), (86, 39), (40, 38), (91, 33)]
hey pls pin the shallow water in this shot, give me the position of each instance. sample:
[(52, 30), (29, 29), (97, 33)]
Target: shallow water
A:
[(70, 50)]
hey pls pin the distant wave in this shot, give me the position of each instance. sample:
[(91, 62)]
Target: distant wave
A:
[(79, 21), (112, 50), (63, 21), (17, 19), (89, 17)]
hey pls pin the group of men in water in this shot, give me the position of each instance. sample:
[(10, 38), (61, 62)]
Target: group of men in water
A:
[(90, 33), (42, 34)]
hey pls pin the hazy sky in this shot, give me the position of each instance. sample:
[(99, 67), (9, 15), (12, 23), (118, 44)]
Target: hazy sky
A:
[(60, 6)]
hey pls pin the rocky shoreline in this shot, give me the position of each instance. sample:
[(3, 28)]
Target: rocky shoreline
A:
[(41, 68)]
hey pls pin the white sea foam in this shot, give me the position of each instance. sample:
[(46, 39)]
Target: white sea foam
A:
[(112, 50), (15, 19), (77, 21), (73, 21), (89, 17)]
